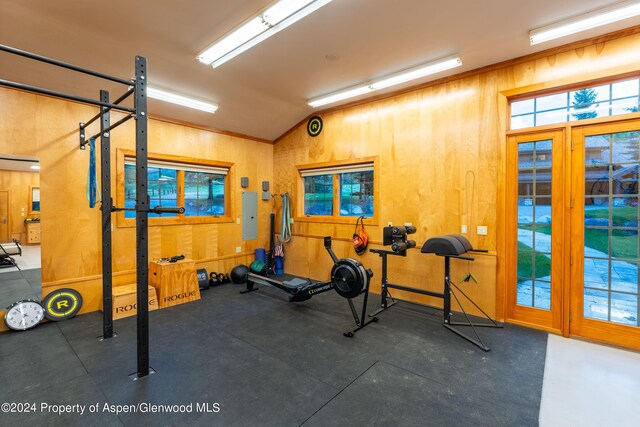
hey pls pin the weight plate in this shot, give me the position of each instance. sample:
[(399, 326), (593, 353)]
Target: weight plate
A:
[(62, 304), (314, 126), (23, 315)]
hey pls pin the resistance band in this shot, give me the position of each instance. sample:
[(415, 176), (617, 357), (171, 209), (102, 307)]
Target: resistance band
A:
[(285, 229), (92, 179)]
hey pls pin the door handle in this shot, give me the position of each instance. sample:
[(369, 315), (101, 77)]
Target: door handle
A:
[(4, 220)]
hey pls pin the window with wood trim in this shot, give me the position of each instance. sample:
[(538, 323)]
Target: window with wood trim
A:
[(339, 190), (603, 100), (201, 186)]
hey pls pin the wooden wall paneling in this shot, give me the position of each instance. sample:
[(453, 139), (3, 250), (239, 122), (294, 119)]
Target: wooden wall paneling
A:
[(5, 206), (18, 184), (426, 173), (502, 108), (154, 239), (437, 158), (321, 269), (201, 238), (296, 257), (482, 293), (449, 128), (26, 117), (46, 128), (490, 137), (444, 132)]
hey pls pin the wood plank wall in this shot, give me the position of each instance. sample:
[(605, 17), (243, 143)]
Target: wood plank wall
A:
[(47, 128), (441, 149), (19, 184)]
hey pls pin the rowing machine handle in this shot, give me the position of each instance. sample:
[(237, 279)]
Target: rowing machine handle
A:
[(170, 209), (327, 246), (327, 242)]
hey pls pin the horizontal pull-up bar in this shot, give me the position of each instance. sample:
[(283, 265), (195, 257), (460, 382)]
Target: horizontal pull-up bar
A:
[(84, 142), (156, 210), (61, 64), (117, 101), (28, 88)]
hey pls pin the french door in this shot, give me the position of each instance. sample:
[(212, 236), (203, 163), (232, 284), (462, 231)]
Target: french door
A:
[(535, 230), (604, 233), (572, 231)]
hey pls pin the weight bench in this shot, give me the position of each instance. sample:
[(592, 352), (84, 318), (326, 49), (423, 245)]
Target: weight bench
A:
[(6, 252)]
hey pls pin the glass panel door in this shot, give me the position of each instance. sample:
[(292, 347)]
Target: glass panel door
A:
[(606, 222), (534, 224), (534, 215)]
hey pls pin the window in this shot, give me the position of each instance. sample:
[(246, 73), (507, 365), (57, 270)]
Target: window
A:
[(202, 188), (356, 193), (611, 99), (203, 194), (162, 187), (318, 195), (338, 190)]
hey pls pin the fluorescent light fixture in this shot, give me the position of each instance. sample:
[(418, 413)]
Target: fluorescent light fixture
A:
[(584, 22), (180, 100), (392, 80), (35, 167), (275, 18)]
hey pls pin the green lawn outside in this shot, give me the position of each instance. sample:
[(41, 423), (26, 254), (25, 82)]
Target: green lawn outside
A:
[(526, 257), (624, 245), (621, 214)]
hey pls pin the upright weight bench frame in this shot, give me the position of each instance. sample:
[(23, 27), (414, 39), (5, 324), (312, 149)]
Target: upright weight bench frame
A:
[(449, 246)]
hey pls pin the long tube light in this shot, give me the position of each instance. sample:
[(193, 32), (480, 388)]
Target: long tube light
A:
[(180, 100), (392, 80), (584, 22), (274, 19)]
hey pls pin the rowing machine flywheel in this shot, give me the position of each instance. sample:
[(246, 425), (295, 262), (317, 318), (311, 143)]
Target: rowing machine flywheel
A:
[(350, 278)]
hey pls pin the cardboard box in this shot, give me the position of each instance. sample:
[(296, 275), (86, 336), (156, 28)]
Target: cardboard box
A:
[(125, 301)]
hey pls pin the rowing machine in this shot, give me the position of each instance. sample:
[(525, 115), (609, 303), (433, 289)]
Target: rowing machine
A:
[(349, 279)]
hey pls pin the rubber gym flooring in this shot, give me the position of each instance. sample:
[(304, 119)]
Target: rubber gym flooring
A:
[(269, 362)]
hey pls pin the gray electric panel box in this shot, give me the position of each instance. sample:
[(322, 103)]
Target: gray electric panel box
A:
[(249, 215), (266, 195), (265, 185)]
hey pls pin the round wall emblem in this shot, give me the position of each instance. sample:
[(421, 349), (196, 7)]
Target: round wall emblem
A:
[(314, 127)]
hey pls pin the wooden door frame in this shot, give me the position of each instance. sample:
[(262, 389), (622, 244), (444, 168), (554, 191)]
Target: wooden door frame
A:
[(551, 320), (592, 329), (9, 228)]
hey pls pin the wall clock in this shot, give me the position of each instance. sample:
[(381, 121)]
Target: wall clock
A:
[(23, 315)]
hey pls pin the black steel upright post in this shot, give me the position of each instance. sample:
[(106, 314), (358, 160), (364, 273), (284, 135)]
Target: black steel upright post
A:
[(142, 213), (446, 309), (105, 182), (383, 291)]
